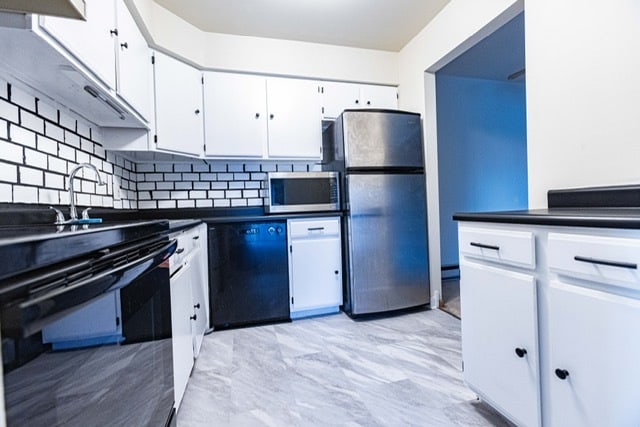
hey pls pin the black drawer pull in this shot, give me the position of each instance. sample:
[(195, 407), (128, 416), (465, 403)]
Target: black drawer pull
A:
[(521, 352), (628, 265), (483, 246), (315, 228), (180, 250)]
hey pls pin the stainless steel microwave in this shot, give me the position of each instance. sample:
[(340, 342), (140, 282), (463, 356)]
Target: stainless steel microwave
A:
[(302, 192)]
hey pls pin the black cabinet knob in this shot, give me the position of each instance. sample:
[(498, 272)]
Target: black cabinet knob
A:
[(197, 111), (368, 102), (271, 116), (194, 317), (336, 272), (124, 45), (562, 374), (197, 306), (257, 115), (357, 101), (521, 352)]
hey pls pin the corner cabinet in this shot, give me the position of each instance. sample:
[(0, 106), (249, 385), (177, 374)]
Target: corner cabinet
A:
[(249, 116), (315, 266), (179, 109), (499, 320), (580, 297)]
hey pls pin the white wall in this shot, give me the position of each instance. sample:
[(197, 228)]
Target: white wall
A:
[(460, 25), (583, 94), (170, 33)]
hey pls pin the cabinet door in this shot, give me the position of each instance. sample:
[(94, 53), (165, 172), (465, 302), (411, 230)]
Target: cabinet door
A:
[(181, 338), (235, 108), (499, 321), (339, 96), (199, 288), (593, 338), (295, 125), (135, 72), (178, 97), (383, 97), (91, 41)]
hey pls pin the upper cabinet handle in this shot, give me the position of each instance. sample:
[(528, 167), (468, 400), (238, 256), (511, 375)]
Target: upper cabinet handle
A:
[(113, 32), (628, 265), (483, 246), (124, 45)]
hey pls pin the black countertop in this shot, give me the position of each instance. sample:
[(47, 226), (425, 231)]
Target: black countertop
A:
[(573, 217), (24, 247)]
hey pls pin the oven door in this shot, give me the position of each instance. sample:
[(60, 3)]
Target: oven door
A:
[(88, 342)]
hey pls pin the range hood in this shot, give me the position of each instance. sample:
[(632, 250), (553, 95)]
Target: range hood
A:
[(64, 8)]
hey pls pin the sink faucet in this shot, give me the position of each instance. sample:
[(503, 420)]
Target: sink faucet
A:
[(72, 204)]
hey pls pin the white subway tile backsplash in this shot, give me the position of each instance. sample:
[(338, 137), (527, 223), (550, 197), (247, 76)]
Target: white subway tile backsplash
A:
[(8, 111), (144, 167), (23, 194), (99, 151), (183, 185), (254, 202), (35, 158), (57, 165), (146, 204), (71, 139), (173, 177), (53, 180), (82, 157), (31, 121), (6, 192), (160, 195), (147, 185), (4, 88), (220, 185), (248, 194), (218, 167), (233, 194), (47, 145), (166, 204), (186, 204), (182, 167), (22, 136), (67, 121), (205, 203), (241, 177), (8, 172), (252, 167), (176, 195), (4, 129), (238, 202), (153, 177), (83, 129), (235, 167), (47, 196), (49, 112), (87, 186), (200, 167), (218, 194), (190, 176), (67, 152), (269, 167), (53, 131), (250, 185), (164, 185), (221, 203), (197, 194), (236, 185), (208, 177), (86, 145), (164, 167), (200, 185), (11, 152), (258, 176), (23, 98)]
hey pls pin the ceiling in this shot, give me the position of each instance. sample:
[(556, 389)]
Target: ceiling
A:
[(370, 24), (496, 57)]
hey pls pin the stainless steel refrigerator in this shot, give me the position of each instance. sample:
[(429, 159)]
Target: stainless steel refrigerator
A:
[(380, 156)]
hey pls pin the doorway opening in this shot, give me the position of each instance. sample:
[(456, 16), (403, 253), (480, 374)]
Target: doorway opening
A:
[(482, 142)]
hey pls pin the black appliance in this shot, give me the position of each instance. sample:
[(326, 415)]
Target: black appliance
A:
[(59, 278), (248, 273)]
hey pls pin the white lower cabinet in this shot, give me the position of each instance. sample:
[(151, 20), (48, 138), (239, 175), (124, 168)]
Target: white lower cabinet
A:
[(499, 323), (189, 303), (594, 371), (315, 266), (585, 288)]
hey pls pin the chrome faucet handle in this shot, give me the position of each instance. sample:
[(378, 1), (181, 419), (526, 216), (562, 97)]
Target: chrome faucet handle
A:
[(59, 216), (85, 213)]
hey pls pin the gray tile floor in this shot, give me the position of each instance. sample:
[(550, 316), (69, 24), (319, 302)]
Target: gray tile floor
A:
[(401, 370)]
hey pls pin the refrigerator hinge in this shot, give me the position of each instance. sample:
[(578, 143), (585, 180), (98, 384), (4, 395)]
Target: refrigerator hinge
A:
[(290, 249), (117, 321), (155, 138), (291, 300)]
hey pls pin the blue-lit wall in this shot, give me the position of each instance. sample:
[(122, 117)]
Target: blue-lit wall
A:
[(482, 151)]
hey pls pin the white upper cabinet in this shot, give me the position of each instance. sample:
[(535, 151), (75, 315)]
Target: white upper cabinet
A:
[(250, 116), (91, 41), (295, 120), (339, 96), (235, 111), (178, 102), (109, 46), (135, 72)]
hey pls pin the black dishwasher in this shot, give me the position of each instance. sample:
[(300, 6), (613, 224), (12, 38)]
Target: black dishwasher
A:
[(249, 273)]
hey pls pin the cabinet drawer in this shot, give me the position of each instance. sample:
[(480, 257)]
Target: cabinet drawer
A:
[(314, 228), (501, 246), (609, 260)]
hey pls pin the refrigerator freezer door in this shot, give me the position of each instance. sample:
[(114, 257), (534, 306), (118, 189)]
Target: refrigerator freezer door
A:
[(381, 139), (387, 242)]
